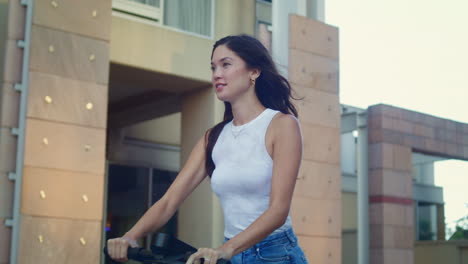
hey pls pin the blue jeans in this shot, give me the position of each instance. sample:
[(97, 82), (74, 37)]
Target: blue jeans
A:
[(276, 248)]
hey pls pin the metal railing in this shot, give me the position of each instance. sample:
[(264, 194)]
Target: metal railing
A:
[(23, 89)]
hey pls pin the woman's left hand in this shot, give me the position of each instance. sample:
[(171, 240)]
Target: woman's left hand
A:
[(210, 255)]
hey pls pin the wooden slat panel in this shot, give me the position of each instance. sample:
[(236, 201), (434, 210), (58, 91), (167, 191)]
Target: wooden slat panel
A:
[(318, 107), (85, 17), (70, 55), (321, 143), (67, 194), (318, 180), (60, 241), (313, 217), (313, 71), (313, 36), (69, 99), (65, 147), (321, 249)]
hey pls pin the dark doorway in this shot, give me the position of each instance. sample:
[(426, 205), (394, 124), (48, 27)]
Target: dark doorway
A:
[(131, 191)]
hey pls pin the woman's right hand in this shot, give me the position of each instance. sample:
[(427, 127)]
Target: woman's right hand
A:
[(117, 248)]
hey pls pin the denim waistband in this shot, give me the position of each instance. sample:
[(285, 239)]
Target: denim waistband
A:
[(287, 234)]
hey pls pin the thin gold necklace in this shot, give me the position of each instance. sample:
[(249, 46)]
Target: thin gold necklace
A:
[(237, 131)]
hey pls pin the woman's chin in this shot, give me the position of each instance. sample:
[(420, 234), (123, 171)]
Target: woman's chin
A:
[(222, 97)]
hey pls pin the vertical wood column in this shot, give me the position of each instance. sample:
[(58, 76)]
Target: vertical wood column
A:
[(313, 73), (64, 155)]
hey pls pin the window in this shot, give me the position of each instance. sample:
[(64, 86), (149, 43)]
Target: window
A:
[(264, 34), (195, 16), (426, 221), (149, 9), (263, 26)]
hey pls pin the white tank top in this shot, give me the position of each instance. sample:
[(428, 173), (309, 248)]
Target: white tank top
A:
[(242, 177)]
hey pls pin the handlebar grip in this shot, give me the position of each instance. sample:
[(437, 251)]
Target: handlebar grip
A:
[(139, 253), (134, 253), (106, 253), (223, 261)]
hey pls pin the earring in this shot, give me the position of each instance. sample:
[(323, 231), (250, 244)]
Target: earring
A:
[(252, 81)]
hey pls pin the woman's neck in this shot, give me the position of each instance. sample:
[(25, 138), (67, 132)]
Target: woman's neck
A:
[(245, 111)]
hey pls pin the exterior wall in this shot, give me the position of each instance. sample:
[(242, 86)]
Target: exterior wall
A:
[(164, 130), (349, 227), (11, 30), (3, 31), (63, 173), (454, 252), (234, 17), (160, 49), (313, 73), (394, 133), (349, 211), (70, 57), (349, 249)]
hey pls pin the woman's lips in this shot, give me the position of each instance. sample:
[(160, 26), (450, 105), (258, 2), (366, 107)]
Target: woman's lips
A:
[(219, 86)]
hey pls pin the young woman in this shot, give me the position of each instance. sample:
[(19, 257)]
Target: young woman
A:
[(252, 157)]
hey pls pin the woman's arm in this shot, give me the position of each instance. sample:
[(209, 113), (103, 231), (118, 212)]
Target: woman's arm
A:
[(287, 155), (186, 181)]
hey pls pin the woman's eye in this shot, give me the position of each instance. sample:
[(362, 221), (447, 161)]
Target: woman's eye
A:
[(212, 68), (226, 64)]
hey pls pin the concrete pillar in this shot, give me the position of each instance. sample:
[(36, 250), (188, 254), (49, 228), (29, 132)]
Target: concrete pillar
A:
[(200, 218), (395, 133), (391, 214), (280, 24), (313, 73)]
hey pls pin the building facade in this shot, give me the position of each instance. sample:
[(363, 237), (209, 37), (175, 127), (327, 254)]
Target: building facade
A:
[(393, 212), (102, 102)]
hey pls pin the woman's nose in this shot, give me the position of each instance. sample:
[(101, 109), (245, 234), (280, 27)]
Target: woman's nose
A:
[(216, 73)]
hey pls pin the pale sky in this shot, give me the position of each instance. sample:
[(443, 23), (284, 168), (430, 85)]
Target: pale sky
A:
[(408, 53), (411, 54)]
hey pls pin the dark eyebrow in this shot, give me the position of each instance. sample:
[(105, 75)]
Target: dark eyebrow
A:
[(223, 59)]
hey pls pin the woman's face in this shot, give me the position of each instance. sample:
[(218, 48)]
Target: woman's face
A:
[(230, 76)]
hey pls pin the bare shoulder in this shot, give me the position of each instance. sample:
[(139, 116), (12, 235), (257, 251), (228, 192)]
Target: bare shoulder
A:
[(285, 125)]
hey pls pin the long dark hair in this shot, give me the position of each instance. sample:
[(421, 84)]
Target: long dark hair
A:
[(272, 89)]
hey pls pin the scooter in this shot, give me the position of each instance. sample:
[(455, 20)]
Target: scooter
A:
[(165, 249)]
